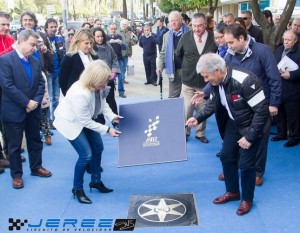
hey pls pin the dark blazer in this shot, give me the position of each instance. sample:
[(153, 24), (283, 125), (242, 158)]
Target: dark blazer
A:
[(256, 33), (16, 89), (71, 68), (188, 53), (290, 92)]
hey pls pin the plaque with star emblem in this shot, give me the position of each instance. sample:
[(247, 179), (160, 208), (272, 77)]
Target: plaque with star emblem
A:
[(158, 210)]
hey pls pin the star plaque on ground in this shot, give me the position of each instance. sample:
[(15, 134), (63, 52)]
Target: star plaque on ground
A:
[(156, 210)]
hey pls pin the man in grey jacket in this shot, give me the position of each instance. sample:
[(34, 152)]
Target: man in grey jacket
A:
[(166, 59)]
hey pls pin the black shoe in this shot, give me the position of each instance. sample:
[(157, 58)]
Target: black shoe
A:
[(88, 168), (147, 83), (276, 139), (2, 170), (82, 198), (100, 187), (52, 126), (154, 84), (290, 143)]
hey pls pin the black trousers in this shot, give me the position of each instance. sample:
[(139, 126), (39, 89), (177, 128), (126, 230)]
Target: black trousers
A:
[(234, 158), (150, 68), (14, 130), (261, 156), (4, 137), (288, 120)]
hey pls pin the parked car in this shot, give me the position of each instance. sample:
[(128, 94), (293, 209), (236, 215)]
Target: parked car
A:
[(14, 26)]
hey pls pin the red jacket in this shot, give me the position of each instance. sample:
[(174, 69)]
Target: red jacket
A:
[(6, 42)]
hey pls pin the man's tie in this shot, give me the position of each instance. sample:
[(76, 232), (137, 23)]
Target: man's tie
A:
[(25, 59), (200, 39)]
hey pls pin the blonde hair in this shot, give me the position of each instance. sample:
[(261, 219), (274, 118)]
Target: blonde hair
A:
[(95, 74), (80, 35)]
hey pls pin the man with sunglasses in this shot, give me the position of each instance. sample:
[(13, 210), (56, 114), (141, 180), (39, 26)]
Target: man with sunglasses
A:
[(253, 30)]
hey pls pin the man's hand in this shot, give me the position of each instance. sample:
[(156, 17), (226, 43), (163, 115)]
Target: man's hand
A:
[(158, 72), (243, 143), (197, 97), (285, 74), (43, 48), (191, 122), (32, 105), (273, 111)]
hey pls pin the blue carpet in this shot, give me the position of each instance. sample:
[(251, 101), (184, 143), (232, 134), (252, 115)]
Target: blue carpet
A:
[(275, 210)]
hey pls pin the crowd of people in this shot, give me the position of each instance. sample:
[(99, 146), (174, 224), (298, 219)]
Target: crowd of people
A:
[(223, 68)]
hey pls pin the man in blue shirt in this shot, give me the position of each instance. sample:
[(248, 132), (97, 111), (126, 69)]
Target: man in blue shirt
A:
[(57, 43), (160, 31)]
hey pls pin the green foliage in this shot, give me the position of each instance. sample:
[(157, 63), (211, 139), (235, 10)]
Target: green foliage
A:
[(167, 6), (29, 5), (186, 5)]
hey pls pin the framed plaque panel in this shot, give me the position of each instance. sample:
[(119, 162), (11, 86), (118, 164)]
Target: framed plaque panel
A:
[(152, 132)]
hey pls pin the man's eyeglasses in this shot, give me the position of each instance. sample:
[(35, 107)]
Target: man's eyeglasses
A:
[(71, 34), (245, 18)]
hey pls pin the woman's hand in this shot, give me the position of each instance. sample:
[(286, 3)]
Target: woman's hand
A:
[(117, 119), (114, 133)]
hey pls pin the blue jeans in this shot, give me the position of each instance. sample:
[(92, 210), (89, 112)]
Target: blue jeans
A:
[(89, 147), (53, 90), (125, 63), (121, 76)]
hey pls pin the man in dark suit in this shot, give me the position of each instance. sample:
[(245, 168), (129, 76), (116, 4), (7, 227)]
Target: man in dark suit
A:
[(253, 30), (22, 92)]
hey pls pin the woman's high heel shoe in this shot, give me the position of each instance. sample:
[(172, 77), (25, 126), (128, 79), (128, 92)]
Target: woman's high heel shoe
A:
[(82, 198), (100, 186)]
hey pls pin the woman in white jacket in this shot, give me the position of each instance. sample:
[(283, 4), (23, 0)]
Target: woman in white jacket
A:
[(74, 120)]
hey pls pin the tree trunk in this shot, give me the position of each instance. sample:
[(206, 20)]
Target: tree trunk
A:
[(144, 16), (124, 9), (21, 6), (212, 6), (74, 12), (272, 37)]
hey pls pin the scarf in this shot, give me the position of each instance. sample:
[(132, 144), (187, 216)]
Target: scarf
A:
[(222, 50), (169, 50)]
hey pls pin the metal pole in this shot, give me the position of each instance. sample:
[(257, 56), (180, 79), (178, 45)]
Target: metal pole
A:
[(131, 11), (160, 83), (65, 23)]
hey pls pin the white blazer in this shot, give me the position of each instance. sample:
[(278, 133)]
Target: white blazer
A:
[(76, 110)]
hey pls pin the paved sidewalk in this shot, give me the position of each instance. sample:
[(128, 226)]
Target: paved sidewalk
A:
[(136, 87)]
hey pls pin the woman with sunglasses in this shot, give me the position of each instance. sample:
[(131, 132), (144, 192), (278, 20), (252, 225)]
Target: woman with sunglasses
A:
[(71, 33)]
